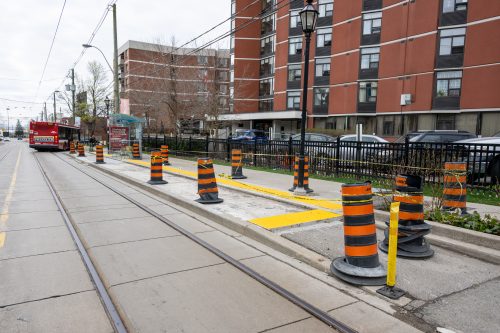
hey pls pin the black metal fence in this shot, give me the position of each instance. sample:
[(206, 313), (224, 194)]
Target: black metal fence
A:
[(365, 160)]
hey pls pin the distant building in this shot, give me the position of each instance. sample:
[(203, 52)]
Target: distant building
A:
[(394, 66), (168, 85)]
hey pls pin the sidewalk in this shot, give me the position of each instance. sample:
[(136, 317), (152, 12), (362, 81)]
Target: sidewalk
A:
[(438, 288)]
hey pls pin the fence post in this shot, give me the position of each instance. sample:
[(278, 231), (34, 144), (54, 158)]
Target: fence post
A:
[(337, 157), (190, 144), (255, 152), (156, 140), (407, 151), (206, 144), (164, 139), (290, 153), (228, 149)]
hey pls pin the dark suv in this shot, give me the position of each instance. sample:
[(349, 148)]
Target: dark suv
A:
[(438, 136)]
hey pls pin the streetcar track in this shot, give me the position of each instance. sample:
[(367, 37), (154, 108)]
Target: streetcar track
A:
[(309, 308), (109, 307)]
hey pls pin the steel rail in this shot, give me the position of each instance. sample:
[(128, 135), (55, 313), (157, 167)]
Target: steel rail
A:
[(96, 279), (311, 309)]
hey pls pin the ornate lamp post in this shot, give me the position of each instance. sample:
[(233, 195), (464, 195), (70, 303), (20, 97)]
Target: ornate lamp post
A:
[(308, 17)]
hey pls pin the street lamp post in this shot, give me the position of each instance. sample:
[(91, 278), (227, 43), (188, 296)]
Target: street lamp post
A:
[(55, 109), (308, 17), (106, 102)]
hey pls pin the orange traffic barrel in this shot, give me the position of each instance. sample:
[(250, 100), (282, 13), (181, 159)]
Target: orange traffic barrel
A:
[(207, 185), (81, 150), (99, 154), (455, 186), (411, 227), (156, 169), (72, 148), (296, 174), (237, 164), (360, 265), (136, 155), (164, 154)]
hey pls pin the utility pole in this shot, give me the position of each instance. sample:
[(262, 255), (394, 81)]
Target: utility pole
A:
[(55, 110), (115, 63), (45, 109), (73, 90)]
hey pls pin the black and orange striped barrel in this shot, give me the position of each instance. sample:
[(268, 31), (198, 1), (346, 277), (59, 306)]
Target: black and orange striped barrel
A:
[(81, 150), (207, 185), (237, 164), (359, 225), (164, 154), (136, 155), (156, 169), (72, 148), (295, 173), (455, 186), (99, 154), (409, 193), (306, 172)]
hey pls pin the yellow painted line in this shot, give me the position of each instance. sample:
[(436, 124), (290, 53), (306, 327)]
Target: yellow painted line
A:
[(321, 203), (2, 239), (285, 220), (4, 217)]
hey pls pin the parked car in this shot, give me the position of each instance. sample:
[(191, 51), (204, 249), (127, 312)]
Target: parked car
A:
[(437, 136), (371, 147), (250, 136), (316, 137), (483, 157), (6, 139)]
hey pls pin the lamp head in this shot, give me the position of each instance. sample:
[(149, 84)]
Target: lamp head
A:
[(308, 18)]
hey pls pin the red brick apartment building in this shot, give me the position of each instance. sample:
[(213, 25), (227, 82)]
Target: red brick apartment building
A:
[(169, 86), (394, 66)]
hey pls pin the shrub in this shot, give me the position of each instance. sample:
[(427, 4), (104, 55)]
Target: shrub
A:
[(474, 221)]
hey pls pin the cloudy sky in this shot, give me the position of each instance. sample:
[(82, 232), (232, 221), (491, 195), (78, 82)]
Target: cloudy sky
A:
[(27, 28)]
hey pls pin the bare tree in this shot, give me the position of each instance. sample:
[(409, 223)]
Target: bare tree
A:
[(97, 88)]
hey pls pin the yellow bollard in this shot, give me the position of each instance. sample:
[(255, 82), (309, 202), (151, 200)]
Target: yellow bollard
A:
[(389, 290)]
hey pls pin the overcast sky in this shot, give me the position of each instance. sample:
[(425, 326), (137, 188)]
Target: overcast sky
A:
[(27, 28)]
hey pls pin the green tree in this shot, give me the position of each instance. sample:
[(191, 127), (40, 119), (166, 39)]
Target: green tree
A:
[(19, 129)]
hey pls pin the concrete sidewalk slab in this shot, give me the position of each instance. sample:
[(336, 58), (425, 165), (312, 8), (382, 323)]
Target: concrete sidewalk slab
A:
[(218, 294), (37, 277), (125, 230), (31, 242), (126, 262), (76, 313), (22, 221)]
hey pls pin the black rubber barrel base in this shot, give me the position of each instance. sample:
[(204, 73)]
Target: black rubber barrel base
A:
[(136, 158), (100, 162), (209, 201), (166, 163), (391, 292), (356, 279), (423, 252), (238, 177), (157, 182)]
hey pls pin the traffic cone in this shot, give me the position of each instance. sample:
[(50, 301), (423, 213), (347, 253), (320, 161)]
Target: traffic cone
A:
[(360, 265), (81, 150), (99, 154), (136, 155), (156, 169), (164, 154), (411, 227), (237, 164), (207, 186), (72, 148), (455, 186)]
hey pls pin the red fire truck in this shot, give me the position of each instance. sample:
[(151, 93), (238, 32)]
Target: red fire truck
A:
[(52, 136)]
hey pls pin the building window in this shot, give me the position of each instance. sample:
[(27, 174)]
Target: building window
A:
[(372, 23), (370, 57), (233, 8), (448, 84), (293, 100), (323, 67), (324, 37), (388, 126), (223, 62), (445, 121), (267, 66), (450, 6), (266, 105), (223, 76), (203, 60), (267, 45), (325, 8), (267, 25), (266, 4), (223, 89), (294, 72), (368, 92), (295, 19), (266, 87), (321, 97), (295, 45), (452, 41)]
